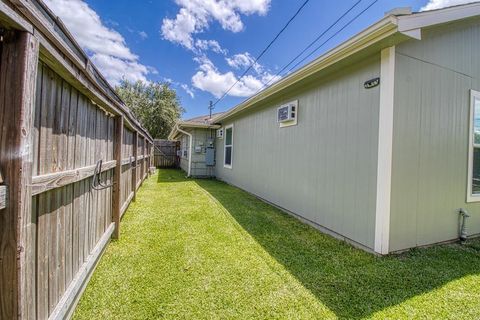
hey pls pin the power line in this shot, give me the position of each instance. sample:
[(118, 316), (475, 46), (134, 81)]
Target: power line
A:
[(263, 52), (322, 44), (334, 35), (316, 39)]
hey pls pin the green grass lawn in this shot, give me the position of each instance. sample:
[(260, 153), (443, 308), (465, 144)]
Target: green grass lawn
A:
[(200, 249)]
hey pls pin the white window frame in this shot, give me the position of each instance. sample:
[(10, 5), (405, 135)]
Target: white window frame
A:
[(228, 166), (470, 196)]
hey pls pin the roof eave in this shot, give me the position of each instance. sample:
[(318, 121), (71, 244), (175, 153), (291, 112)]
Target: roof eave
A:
[(417, 21), (183, 124), (375, 33), (409, 25)]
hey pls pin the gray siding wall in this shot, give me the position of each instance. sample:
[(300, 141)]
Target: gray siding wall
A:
[(200, 138), (323, 169), (431, 129)]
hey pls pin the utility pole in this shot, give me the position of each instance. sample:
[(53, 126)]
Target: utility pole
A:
[(211, 107)]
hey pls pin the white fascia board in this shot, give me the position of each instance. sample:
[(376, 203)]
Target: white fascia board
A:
[(415, 22), (182, 124), (385, 150), (375, 33), (198, 125)]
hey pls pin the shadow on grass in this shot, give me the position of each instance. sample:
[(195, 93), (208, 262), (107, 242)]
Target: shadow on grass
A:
[(350, 282)]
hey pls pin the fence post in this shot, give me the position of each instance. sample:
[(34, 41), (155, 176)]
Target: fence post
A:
[(19, 62), (144, 160), (117, 180), (134, 170), (150, 162)]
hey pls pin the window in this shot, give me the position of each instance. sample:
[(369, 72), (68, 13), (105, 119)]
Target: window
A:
[(474, 150), (227, 163)]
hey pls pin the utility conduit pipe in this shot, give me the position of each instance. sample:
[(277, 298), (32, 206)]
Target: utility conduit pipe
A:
[(463, 227), (190, 143)]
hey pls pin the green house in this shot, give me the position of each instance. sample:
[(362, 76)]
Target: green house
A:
[(373, 142)]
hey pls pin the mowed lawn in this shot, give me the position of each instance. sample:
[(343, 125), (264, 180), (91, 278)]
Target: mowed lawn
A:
[(201, 249)]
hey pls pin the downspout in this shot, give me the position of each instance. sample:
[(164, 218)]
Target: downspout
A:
[(190, 151)]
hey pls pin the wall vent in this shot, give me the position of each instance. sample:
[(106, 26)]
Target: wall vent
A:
[(220, 133), (287, 114)]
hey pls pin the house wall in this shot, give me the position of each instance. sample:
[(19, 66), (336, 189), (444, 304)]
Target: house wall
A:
[(431, 129), (200, 138), (324, 168)]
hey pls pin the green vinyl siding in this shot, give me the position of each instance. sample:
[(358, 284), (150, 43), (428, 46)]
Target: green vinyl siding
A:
[(431, 130), (324, 168)]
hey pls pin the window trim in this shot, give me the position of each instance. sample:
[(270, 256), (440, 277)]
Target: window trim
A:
[(474, 95), (228, 166)]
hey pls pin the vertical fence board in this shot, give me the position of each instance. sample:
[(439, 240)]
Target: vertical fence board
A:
[(43, 225), (50, 125), (165, 154), (92, 196), (69, 190), (98, 156), (117, 188), (43, 228), (134, 171)]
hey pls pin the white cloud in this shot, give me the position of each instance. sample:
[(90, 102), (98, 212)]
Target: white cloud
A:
[(188, 90), (143, 35), (114, 68), (243, 61), (437, 4), (185, 87), (106, 46), (210, 79), (204, 45), (196, 15)]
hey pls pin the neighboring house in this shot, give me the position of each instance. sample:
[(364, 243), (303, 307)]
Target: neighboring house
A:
[(375, 141), (197, 137)]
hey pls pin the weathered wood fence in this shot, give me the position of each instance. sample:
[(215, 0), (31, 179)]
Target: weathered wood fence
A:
[(165, 153), (58, 118)]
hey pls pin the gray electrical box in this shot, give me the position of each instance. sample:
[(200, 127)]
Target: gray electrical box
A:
[(210, 157)]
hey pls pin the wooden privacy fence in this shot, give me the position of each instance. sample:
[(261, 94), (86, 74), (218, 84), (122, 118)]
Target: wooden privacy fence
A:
[(165, 153), (58, 118)]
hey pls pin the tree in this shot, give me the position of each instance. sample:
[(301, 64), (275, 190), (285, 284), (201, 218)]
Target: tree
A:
[(154, 104)]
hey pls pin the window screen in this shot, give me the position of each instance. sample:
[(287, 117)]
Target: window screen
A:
[(228, 146)]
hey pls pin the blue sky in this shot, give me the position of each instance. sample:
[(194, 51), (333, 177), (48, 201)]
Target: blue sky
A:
[(203, 46)]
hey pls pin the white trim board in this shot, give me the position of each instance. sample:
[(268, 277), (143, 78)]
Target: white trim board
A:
[(385, 148), (474, 95), (430, 18)]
